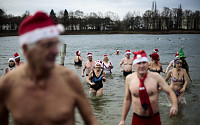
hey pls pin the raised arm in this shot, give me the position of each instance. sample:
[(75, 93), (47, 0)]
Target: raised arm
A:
[(170, 64), (127, 102), (170, 93)]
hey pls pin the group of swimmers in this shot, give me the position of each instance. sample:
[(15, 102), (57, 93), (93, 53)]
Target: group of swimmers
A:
[(96, 70), (12, 62), (41, 92)]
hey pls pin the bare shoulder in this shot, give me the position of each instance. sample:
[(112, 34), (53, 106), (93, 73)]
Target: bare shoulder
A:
[(69, 76), (131, 77), (155, 76)]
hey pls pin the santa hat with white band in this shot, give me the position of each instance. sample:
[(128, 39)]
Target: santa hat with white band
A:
[(140, 56), (37, 27), (128, 51), (89, 54)]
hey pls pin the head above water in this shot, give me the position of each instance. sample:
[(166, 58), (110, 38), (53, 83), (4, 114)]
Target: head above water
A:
[(177, 61), (155, 56), (38, 37)]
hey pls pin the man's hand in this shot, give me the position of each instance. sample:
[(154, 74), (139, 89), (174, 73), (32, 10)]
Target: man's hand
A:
[(122, 123), (173, 111)]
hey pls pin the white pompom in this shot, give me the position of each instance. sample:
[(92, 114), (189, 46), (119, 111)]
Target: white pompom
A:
[(139, 56), (61, 28)]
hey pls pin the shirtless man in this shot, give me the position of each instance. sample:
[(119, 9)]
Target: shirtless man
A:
[(41, 92), (127, 61), (142, 91), (88, 65), (117, 52), (17, 59)]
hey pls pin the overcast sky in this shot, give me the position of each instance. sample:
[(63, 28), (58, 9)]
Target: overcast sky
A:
[(120, 7)]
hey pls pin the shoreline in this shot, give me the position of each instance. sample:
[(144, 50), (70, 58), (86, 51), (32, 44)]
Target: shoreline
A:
[(4, 34)]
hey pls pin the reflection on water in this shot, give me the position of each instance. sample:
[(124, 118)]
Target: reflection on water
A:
[(108, 108)]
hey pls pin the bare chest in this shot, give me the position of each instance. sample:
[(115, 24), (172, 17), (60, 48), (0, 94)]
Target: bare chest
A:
[(150, 86), (90, 65), (54, 103), (128, 61)]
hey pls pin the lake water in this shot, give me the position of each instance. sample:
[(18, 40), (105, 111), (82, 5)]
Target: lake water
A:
[(108, 108)]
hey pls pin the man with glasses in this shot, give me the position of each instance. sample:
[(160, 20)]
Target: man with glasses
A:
[(41, 92)]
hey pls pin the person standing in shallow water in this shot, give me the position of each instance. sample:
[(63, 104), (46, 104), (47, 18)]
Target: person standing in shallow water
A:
[(179, 80), (78, 59), (95, 79), (117, 52), (88, 65), (142, 92), (17, 59), (41, 92), (172, 62), (184, 63), (155, 65), (107, 65), (11, 65), (127, 61)]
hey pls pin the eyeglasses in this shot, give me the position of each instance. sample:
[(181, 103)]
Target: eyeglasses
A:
[(49, 44)]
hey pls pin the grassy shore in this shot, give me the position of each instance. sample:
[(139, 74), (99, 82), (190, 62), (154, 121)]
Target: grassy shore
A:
[(115, 32)]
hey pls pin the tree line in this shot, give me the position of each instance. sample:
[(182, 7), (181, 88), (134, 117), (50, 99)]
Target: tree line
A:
[(165, 20)]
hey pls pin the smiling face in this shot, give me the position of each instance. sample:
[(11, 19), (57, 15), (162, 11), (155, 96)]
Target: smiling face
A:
[(98, 67), (43, 54)]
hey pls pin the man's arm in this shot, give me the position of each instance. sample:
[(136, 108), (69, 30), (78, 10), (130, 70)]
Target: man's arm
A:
[(83, 103), (120, 65), (3, 110), (170, 93), (170, 64), (127, 102), (83, 70)]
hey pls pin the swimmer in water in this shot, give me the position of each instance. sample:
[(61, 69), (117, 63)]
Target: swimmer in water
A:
[(179, 80)]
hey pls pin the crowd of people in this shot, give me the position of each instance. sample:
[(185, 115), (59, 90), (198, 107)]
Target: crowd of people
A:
[(42, 92)]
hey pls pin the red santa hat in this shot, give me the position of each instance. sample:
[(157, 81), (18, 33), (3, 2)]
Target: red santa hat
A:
[(117, 50), (89, 54), (155, 56), (105, 56), (128, 51), (37, 27), (78, 53), (176, 55), (140, 56), (16, 55), (155, 50), (98, 62), (11, 59)]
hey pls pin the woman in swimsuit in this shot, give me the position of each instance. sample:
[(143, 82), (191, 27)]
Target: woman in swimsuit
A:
[(11, 65), (179, 80), (78, 59), (155, 65), (107, 65), (95, 79)]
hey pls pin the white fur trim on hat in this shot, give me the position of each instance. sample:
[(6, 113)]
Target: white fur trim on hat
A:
[(140, 59), (11, 59), (17, 57), (39, 34)]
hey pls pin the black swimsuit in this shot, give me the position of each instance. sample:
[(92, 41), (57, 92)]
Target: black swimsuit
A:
[(158, 71), (79, 62), (97, 81)]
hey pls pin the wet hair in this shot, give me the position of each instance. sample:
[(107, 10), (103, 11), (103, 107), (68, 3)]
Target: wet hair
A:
[(177, 61)]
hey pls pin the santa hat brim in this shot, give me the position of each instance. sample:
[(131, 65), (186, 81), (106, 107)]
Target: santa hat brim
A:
[(39, 34), (17, 57), (142, 59)]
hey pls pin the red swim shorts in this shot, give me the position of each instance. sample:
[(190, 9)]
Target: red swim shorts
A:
[(143, 120)]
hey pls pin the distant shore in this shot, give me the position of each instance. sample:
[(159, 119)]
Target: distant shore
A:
[(3, 34)]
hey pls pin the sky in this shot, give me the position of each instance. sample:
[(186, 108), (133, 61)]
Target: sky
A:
[(119, 7)]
